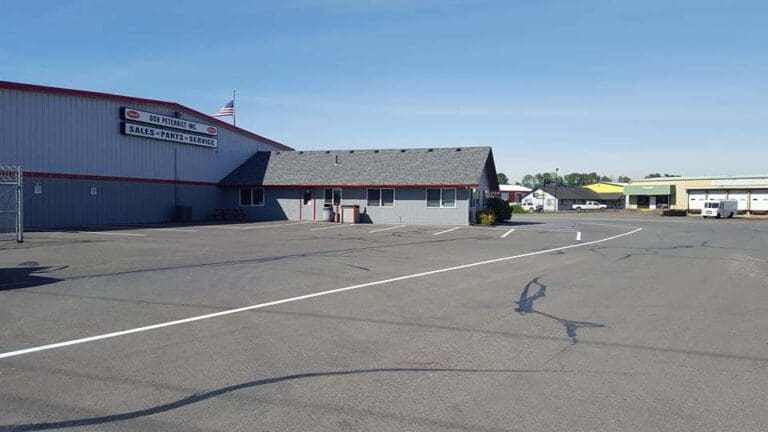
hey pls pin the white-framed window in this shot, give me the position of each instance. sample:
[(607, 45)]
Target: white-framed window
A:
[(252, 197), (441, 197), (332, 197), (381, 197)]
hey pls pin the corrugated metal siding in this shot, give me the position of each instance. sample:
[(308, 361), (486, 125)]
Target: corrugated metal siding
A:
[(79, 135), (64, 134), (69, 203)]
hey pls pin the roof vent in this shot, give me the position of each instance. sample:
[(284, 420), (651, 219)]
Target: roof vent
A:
[(375, 151), (430, 150), (458, 149), (337, 160), (277, 152), (351, 151), (327, 152), (301, 152), (402, 150)]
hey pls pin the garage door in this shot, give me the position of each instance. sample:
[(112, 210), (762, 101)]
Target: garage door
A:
[(741, 197), (717, 195), (759, 200), (696, 200)]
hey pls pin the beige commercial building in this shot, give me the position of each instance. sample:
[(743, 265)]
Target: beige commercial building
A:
[(689, 193)]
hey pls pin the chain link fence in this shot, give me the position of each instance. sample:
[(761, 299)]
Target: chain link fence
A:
[(11, 204)]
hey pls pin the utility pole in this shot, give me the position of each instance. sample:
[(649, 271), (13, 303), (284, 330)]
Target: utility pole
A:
[(557, 200)]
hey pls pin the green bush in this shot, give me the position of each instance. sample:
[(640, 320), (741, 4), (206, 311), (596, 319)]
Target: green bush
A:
[(517, 208), (500, 208), (486, 217)]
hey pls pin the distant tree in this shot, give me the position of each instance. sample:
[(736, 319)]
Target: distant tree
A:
[(502, 178), (624, 179), (657, 175), (529, 181)]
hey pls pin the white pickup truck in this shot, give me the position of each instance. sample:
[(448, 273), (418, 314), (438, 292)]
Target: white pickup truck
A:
[(589, 205)]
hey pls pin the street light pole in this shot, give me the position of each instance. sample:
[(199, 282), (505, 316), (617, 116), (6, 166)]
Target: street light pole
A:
[(557, 200)]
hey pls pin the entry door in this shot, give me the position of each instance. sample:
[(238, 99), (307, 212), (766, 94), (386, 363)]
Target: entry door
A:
[(307, 211), (472, 205), (652, 203)]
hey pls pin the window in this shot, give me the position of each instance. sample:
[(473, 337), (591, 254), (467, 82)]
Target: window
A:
[(332, 197), (381, 197), (433, 197), (307, 198), (374, 197), (442, 198), (252, 197), (387, 197)]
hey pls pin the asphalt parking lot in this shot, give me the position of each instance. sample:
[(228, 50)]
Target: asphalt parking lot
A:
[(575, 322)]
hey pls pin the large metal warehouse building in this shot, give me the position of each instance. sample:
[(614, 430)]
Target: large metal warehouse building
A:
[(97, 159)]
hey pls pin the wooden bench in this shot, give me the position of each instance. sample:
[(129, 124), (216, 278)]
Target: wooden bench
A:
[(223, 214)]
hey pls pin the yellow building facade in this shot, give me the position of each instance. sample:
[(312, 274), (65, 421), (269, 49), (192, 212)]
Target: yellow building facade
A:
[(606, 188)]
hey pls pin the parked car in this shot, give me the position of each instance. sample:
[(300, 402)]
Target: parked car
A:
[(719, 208), (530, 206), (589, 205)]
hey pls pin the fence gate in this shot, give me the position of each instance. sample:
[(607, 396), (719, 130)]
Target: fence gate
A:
[(11, 204)]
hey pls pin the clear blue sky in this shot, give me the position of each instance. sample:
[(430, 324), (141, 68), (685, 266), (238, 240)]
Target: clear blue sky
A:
[(622, 88)]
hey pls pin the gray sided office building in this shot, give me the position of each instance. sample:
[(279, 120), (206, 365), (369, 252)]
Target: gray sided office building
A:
[(102, 159), (438, 186)]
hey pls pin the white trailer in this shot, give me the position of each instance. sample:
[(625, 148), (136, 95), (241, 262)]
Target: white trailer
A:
[(720, 208)]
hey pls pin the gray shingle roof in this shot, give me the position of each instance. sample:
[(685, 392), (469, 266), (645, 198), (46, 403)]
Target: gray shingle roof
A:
[(391, 167)]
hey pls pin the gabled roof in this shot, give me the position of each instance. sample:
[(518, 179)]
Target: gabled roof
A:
[(513, 188), (462, 166), (8, 85), (607, 183), (578, 193), (571, 193)]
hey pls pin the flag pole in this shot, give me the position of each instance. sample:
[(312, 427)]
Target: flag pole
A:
[(234, 115)]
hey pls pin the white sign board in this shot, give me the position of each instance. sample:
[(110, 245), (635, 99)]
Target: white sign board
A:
[(38, 188), (131, 114), (167, 135)]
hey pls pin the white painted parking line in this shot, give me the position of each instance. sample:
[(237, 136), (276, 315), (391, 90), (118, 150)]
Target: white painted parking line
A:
[(252, 227), (507, 233), (275, 225), (332, 227), (447, 231), (386, 229), (299, 298), (112, 233), (174, 229), (578, 236)]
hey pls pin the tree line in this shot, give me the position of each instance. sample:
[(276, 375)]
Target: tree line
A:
[(574, 179)]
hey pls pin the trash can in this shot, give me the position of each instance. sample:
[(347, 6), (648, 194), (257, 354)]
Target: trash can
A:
[(327, 214), (349, 213)]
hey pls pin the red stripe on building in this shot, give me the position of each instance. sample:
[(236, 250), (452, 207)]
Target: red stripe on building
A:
[(34, 174), (353, 185)]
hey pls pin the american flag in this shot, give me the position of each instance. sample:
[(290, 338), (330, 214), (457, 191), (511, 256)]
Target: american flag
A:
[(226, 110)]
